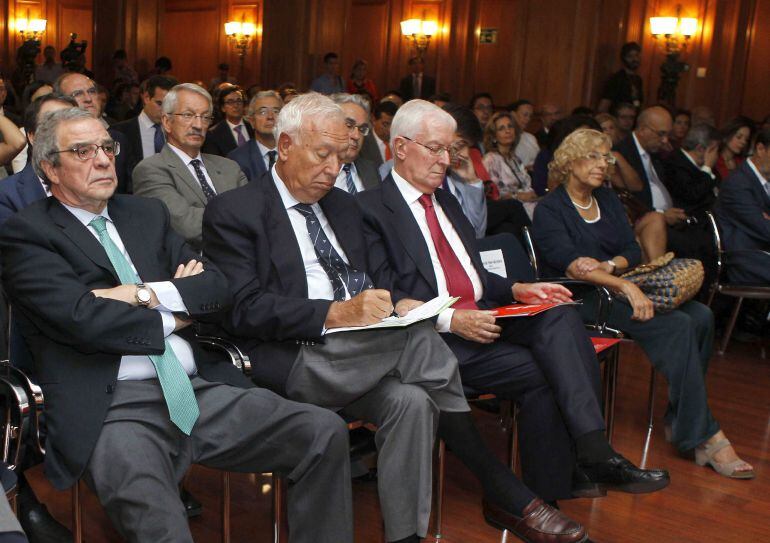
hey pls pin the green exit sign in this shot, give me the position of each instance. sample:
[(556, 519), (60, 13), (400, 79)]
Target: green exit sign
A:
[(488, 35)]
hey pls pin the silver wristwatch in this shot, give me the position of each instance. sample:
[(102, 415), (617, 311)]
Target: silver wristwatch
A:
[(143, 294)]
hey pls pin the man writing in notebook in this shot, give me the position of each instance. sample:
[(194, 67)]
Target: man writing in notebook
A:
[(421, 245)]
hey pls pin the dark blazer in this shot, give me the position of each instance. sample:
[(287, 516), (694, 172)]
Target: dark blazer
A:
[(691, 188), (220, 140), (370, 150), (742, 208), (627, 148), (124, 162), (18, 191), (428, 87), (367, 171), (561, 235), (399, 260), (50, 264), (248, 234), (249, 159)]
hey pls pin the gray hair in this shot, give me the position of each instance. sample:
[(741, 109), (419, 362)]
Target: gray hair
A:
[(412, 117), (701, 134), (263, 94), (345, 98), (171, 99), (310, 106), (46, 140)]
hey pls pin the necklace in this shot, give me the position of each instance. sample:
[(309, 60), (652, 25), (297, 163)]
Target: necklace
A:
[(584, 208)]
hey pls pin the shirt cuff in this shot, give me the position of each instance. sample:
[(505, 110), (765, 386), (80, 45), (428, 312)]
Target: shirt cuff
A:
[(169, 323), (168, 297), (707, 169), (444, 320)]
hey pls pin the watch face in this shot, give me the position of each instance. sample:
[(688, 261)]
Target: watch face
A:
[(143, 295)]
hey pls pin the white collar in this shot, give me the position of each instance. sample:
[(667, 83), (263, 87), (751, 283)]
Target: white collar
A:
[(408, 191), (288, 200), (263, 149), (145, 122), (184, 156), (85, 216), (691, 159), (234, 126), (642, 152), (756, 172)]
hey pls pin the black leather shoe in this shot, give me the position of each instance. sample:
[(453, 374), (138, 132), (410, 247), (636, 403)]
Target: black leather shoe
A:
[(192, 507), (38, 523), (617, 474), (538, 523)]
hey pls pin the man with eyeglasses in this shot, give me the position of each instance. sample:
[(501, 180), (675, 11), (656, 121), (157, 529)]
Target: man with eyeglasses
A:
[(106, 293), (258, 155), (231, 131), (421, 246), (356, 173), (180, 175), (84, 91)]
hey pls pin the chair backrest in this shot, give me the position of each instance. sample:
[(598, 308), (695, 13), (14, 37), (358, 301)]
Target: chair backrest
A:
[(513, 254), (718, 251), (527, 234)]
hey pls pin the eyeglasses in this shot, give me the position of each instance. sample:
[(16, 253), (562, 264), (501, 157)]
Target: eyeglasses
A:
[(362, 128), (188, 117), (89, 151), (435, 150), (265, 111), (659, 133), (80, 93), (595, 156), (233, 102)]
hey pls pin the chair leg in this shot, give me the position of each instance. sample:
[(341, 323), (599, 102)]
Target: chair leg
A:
[(278, 533), (77, 514), (730, 326), (439, 465), (612, 386), (225, 507), (650, 419)]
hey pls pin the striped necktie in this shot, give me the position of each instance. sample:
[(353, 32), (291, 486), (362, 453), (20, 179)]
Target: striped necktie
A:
[(349, 178)]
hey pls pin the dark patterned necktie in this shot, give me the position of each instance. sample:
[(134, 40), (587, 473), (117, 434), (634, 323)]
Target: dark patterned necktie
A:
[(349, 178), (159, 140), (208, 192), (271, 159), (340, 274)]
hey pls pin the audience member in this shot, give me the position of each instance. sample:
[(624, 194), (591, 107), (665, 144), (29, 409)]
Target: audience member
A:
[(405, 381), (527, 147), (393, 96), (5, 111), (258, 155), (49, 70), (122, 70), (581, 231), (625, 113), (358, 83), (32, 91), (376, 146), (122, 105), (482, 106), (231, 131), (223, 76), (736, 139), (11, 140), (440, 99), (417, 84), (288, 92), (625, 86), (583, 111), (501, 137), (609, 125), (162, 66), (549, 114), (166, 406), (682, 123), (180, 175), (743, 210), (563, 128), (356, 173), (36, 90), (330, 81), (421, 245), (703, 115), (765, 123)]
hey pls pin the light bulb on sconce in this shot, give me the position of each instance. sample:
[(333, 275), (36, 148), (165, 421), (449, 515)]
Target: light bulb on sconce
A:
[(240, 33), (418, 33), (30, 29)]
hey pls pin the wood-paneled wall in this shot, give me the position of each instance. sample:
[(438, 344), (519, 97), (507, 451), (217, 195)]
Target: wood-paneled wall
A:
[(547, 50)]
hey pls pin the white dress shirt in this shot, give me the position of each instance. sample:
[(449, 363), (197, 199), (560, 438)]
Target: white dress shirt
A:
[(184, 157), (381, 145), (319, 286), (147, 134), (263, 151), (411, 196), (342, 179), (244, 132), (138, 367), (661, 198), (703, 168), (765, 182)]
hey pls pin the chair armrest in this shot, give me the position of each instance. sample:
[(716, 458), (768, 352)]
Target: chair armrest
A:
[(23, 410), (236, 356), (605, 303)]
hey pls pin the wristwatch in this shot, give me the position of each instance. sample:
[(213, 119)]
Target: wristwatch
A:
[(143, 294), (612, 265)]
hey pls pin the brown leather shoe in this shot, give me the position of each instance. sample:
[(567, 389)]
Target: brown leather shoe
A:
[(539, 523)]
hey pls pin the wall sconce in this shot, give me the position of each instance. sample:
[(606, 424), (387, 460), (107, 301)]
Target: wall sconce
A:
[(240, 34), (677, 32), (418, 33), (31, 29)]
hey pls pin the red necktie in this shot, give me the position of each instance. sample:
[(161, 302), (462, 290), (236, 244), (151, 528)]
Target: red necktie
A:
[(388, 153), (457, 281)]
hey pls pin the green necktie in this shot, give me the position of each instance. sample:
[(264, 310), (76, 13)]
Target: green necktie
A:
[(177, 390)]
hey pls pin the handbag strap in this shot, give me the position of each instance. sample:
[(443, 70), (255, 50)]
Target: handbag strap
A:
[(651, 266)]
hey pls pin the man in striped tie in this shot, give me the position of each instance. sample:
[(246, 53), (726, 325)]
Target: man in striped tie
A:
[(105, 293), (356, 172)]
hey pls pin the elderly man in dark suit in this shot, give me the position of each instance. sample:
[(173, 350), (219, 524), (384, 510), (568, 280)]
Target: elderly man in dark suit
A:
[(258, 155), (356, 173), (421, 245), (105, 291), (180, 175), (743, 210)]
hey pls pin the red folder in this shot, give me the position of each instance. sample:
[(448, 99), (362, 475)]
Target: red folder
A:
[(525, 310), (603, 343)]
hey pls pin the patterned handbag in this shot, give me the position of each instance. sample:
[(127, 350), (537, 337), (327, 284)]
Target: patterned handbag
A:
[(667, 281)]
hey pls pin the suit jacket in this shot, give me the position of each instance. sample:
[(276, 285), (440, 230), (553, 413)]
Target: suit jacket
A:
[(247, 232), (399, 260), (50, 264), (370, 150), (367, 172), (18, 191), (427, 90), (166, 177), (124, 162), (220, 139), (133, 137), (627, 148), (249, 159), (691, 188)]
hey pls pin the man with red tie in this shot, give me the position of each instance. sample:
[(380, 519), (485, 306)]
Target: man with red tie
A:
[(420, 246)]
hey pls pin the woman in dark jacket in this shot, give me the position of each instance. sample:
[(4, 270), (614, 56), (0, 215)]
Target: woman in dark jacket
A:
[(581, 231)]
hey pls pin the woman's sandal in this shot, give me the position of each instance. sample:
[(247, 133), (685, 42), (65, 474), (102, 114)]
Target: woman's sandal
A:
[(705, 455)]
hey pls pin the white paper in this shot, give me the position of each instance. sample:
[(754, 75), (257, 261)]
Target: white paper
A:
[(427, 310), (494, 262)]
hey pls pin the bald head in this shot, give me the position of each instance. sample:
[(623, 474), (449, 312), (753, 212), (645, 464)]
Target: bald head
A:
[(653, 128)]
